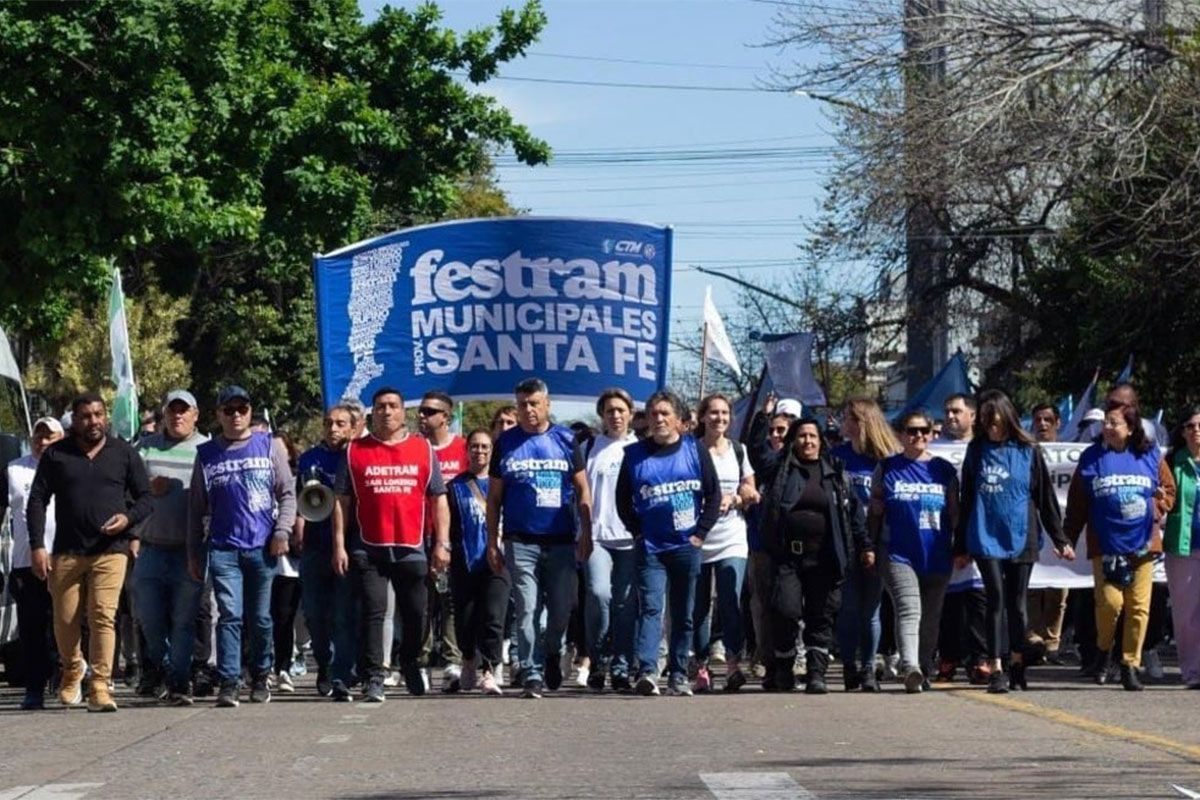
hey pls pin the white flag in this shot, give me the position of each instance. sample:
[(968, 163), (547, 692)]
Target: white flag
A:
[(720, 347), (125, 409)]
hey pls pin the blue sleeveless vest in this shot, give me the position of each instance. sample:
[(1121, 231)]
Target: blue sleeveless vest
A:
[(667, 493), (1120, 487), (999, 524), (539, 497), (914, 495), (241, 500), (472, 519)]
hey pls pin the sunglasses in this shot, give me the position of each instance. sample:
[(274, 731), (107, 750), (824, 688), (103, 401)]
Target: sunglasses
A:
[(918, 430), (231, 411), (1191, 426), (429, 411)]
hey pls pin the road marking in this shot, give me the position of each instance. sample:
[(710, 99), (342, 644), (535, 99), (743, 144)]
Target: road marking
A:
[(353, 719), (1186, 792), (1183, 750), (50, 791), (754, 786), (334, 738)]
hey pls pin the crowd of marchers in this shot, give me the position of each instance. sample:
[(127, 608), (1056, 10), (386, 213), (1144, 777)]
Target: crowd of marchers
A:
[(632, 558)]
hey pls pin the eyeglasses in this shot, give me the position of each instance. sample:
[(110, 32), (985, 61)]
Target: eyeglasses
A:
[(1191, 426), (233, 411), (429, 411), (916, 430)]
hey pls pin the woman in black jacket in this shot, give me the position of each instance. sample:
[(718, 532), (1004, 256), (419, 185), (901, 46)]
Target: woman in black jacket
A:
[(813, 526)]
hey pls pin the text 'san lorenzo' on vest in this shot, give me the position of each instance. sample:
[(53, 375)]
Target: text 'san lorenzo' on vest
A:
[(241, 500), (390, 481)]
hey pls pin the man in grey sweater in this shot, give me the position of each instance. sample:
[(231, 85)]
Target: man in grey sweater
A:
[(165, 596)]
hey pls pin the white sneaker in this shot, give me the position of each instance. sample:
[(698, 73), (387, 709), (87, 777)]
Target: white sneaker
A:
[(581, 677), (505, 646), (425, 679), (390, 678), (451, 678), (716, 653), (489, 685), (283, 682), (891, 667)]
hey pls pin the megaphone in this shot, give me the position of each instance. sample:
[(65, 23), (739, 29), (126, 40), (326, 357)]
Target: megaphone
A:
[(315, 501)]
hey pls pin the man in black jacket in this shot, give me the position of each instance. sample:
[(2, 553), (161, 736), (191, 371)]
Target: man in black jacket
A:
[(101, 492)]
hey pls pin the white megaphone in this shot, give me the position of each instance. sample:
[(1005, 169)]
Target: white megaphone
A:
[(315, 501)]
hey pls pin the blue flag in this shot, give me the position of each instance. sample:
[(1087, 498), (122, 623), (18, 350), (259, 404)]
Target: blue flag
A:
[(789, 365), (951, 379), (473, 307)]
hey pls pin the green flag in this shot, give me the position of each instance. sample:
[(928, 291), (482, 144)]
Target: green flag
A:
[(125, 408)]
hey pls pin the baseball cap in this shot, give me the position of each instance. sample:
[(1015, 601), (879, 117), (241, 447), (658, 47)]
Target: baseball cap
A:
[(49, 422), (232, 393), (1093, 415), (182, 395), (790, 407)]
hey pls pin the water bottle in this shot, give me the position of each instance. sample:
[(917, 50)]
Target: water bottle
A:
[(441, 582)]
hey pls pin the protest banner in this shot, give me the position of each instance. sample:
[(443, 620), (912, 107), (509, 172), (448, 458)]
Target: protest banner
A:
[(473, 307), (1051, 571)]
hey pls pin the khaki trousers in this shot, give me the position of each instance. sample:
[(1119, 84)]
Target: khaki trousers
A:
[(99, 579), (1047, 609), (1135, 599)]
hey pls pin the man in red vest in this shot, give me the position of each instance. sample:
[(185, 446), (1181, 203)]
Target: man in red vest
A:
[(387, 485)]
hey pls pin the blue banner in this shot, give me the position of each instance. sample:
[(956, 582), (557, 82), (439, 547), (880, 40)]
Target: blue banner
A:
[(473, 307)]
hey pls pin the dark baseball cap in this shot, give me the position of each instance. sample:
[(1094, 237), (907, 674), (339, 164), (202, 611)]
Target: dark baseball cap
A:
[(230, 393)]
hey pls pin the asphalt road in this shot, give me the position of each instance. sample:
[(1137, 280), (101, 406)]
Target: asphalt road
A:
[(1062, 739)]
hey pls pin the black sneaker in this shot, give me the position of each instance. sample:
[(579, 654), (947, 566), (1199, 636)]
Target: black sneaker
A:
[(734, 681), (182, 697), (534, 689), (621, 683), (374, 693), (34, 701), (997, 683), (227, 697), (867, 681), (553, 671), (595, 680), (151, 684), (324, 685), (339, 692), (260, 690), (414, 681)]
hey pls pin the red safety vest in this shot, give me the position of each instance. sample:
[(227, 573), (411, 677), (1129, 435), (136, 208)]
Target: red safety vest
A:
[(452, 458), (390, 481)]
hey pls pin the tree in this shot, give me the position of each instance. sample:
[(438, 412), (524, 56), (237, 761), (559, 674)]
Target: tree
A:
[(211, 147), (1028, 107)]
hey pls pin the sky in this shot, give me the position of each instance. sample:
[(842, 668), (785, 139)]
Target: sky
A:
[(756, 158)]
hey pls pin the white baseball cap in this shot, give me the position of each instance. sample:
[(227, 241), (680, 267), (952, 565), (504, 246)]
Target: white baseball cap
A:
[(792, 408), (53, 425)]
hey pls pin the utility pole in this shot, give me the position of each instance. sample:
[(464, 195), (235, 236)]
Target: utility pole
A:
[(925, 332)]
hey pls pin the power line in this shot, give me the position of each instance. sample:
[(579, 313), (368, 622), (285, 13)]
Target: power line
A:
[(658, 187), (574, 57), (684, 87)]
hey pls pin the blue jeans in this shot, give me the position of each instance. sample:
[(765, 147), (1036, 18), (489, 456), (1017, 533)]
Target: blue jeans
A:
[(236, 575), (330, 613), (858, 627), (671, 576), (165, 601), (731, 574), (611, 608), (541, 570)]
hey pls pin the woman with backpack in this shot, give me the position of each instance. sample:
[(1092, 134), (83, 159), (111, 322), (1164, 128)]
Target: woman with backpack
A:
[(723, 556)]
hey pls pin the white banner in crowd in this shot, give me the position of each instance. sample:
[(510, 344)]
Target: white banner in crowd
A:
[(1050, 571)]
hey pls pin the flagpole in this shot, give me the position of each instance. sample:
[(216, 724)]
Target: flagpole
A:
[(703, 359)]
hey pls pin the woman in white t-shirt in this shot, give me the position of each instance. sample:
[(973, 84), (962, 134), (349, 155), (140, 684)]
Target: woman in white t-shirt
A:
[(723, 556), (610, 613)]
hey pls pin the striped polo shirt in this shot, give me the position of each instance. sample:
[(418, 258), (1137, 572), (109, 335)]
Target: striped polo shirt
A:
[(171, 459)]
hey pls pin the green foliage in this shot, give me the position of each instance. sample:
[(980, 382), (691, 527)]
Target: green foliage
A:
[(80, 360), (213, 146)]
